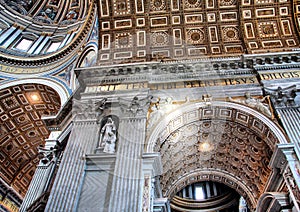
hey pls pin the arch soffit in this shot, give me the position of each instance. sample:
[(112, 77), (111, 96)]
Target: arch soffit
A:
[(59, 88), (186, 114), (220, 176), (269, 199), (89, 48)]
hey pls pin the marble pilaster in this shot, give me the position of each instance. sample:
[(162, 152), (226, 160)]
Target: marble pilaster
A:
[(82, 140), (127, 184), (43, 173)]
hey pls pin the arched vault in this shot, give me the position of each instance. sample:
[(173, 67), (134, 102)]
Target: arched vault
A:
[(224, 142)]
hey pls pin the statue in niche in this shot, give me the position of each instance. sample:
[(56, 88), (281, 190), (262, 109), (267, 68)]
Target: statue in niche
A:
[(108, 136), (255, 103)]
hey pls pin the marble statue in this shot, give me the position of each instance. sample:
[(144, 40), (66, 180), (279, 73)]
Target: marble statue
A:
[(258, 104), (108, 136)]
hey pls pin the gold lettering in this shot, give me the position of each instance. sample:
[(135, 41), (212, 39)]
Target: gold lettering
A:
[(142, 85), (295, 74), (283, 75), (265, 76)]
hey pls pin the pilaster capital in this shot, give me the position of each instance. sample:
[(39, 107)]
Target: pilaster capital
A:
[(88, 110), (136, 106), (49, 153), (282, 97)]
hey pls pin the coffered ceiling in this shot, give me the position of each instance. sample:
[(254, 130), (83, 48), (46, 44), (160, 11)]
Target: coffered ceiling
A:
[(22, 131), (216, 144), (137, 30)]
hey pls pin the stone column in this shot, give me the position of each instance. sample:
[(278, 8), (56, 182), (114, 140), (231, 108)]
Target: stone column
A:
[(127, 182), (43, 173), (83, 138)]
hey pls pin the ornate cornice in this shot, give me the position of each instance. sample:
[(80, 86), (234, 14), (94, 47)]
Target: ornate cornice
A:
[(60, 55)]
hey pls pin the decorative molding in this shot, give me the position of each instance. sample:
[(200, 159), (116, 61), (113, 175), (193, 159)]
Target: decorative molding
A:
[(256, 103), (136, 106), (283, 97)]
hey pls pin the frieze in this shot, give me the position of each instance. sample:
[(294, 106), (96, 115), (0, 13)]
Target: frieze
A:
[(279, 75), (223, 66), (272, 61), (171, 85)]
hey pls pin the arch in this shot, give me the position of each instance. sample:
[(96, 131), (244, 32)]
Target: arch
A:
[(22, 107), (273, 201), (89, 49), (216, 176), (185, 109), (59, 88), (179, 136)]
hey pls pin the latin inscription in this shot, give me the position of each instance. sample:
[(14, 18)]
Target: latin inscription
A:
[(14, 70), (285, 75), (172, 85)]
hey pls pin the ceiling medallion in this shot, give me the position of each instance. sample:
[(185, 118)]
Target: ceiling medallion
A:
[(195, 36), (191, 4), (123, 40), (159, 39), (158, 5), (230, 34)]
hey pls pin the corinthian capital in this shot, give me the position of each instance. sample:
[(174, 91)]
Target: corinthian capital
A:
[(88, 110), (135, 106), (283, 97)]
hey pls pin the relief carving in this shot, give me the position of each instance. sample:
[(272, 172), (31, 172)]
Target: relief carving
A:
[(159, 109), (290, 180), (258, 104), (88, 110), (135, 106), (48, 155), (283, 97)]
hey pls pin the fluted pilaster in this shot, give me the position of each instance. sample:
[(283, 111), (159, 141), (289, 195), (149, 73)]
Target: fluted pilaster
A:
[(66, 189), (126, 187), (38, 184), (290, 119), (287, 109), (43, 174)]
